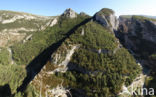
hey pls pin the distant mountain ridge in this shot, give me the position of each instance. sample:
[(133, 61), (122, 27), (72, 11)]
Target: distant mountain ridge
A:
[(154, 17)]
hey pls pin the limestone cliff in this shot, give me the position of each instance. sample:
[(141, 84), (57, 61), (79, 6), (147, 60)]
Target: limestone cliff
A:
[(138, 34), (69, 13), (107, 18), (85, 59), (17, 26), (140, 27)]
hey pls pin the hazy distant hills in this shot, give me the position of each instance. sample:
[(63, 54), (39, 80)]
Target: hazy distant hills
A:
[(154, 17), (148, 16)]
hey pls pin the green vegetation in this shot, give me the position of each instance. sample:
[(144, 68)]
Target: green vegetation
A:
[(14, 13), (12, 75), (103, 74), (29, 92), (108, 72), (98, 74), (150, 82), (24, 53), (126, 16), (145, 48), (106, 11), (95, 37), (30, 24), (21, 23), (142, 18), (4, 56), (153, 56)]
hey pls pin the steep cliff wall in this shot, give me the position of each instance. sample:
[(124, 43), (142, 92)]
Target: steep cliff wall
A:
[(107, 18), (138, 34)]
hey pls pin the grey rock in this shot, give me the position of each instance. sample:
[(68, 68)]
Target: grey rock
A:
[(83, 14), (82, 32), (142, 29), (69, 13), (107, 18)]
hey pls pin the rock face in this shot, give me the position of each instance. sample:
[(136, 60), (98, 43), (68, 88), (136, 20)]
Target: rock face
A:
[(5, 38), (136, 30), (60, 63), (69, 13), (7, 17), (83, 14), (62, 66), (107, 18), (145, 29), (48, 80), (59, 92), (138, 34), (20, 24)]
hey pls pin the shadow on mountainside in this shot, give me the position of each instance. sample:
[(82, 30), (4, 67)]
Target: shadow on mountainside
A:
[(5, 91), (35, 66)]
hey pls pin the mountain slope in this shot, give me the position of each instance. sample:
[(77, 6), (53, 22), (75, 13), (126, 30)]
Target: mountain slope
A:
[(75, 54), (137, 34), (23, 51), (91, 62), (16, 26)]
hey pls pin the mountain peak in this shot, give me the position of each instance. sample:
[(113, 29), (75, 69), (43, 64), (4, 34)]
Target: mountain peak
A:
[(83, 14), (69, 13), (107, 11), (107, 18)]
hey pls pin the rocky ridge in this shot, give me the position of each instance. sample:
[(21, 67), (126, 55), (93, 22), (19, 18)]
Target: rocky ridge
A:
[(17, 26), (107, 18), (61, 58), (69, 13), (142, 28), (126, 29)]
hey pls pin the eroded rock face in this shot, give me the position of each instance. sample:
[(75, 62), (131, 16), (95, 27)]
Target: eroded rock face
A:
[(62, 63), (138, 34), (144, 29), (51, 23), (69, 13), (7, 17), (5, 38), (137, 83), (83, 14), (107, 18), (59, 62), (20, 24)]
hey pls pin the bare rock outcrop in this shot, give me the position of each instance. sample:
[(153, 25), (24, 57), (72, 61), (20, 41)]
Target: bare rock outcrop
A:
[(138, 34), (107, 18), (138, 26), (69, 13)]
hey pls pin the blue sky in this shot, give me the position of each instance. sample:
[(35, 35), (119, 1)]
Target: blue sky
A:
[(56, 7)]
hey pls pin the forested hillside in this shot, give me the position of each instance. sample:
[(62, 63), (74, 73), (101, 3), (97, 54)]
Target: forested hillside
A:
[(76, 55)]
